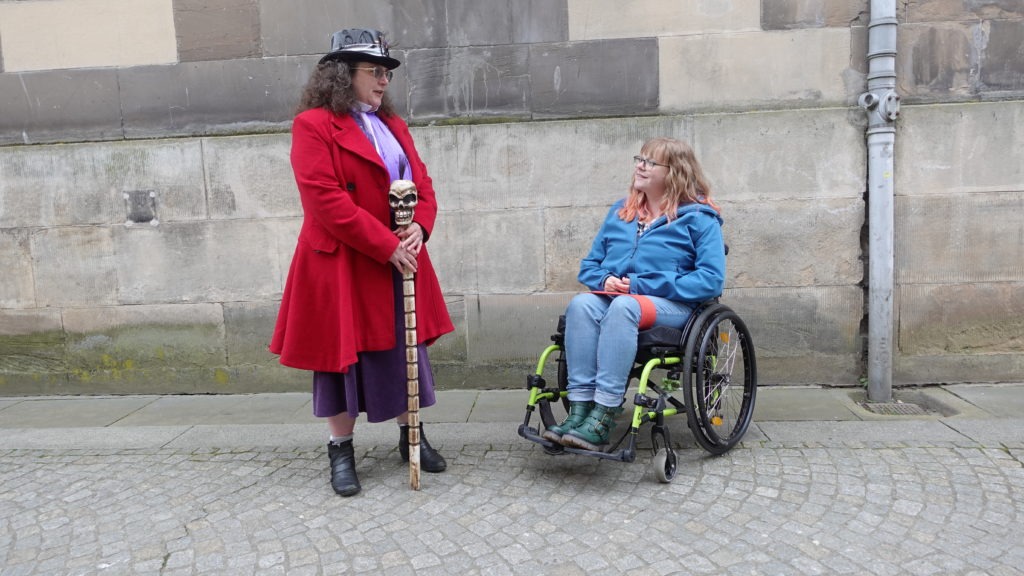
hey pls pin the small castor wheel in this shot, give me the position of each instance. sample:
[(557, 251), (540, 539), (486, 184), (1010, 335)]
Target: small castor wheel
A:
[(664, 465)]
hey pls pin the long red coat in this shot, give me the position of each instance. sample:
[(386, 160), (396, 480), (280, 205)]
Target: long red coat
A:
[(339, 297)]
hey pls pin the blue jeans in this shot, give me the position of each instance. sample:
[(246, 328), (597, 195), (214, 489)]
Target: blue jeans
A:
[(600, 343)]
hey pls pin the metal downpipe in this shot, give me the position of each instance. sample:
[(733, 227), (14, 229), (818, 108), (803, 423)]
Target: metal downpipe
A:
[(882, 105)]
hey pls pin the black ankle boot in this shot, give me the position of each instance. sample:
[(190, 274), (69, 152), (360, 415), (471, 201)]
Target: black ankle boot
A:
[(343, 468), (430, 459)]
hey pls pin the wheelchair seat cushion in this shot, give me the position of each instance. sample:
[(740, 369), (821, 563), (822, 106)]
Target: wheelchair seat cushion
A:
[(659, 337)]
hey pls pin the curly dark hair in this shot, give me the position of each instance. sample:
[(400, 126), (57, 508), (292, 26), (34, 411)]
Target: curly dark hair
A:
[(330, 86)]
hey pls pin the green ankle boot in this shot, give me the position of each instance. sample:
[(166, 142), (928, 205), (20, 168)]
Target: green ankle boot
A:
[(593, 433), (577, 412)]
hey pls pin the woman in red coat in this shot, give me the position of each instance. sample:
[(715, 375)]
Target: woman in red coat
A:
[(341, 314)]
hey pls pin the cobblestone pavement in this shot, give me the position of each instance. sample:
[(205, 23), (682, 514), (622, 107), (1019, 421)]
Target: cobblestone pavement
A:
[(766, 507)]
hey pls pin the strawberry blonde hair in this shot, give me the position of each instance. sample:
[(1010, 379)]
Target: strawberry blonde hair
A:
[(685, 182)]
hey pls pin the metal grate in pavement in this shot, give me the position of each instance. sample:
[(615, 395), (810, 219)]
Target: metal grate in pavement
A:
[(895, 408)]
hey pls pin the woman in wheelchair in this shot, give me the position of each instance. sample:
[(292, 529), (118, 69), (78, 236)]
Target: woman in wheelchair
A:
[(660, 248)]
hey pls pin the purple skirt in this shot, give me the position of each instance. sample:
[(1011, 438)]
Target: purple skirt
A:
[(376, 383)]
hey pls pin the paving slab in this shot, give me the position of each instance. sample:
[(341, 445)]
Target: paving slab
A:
[(451, 406), (226, 409), (789, 404), (860, 431), (1005, 400), (943, 401), (101, 438), (69, 412), (1001, 431), (255, 436), (500, 406)]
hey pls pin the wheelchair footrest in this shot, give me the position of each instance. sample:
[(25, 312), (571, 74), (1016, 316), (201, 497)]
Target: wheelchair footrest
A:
[(627, 454), (533, 435)]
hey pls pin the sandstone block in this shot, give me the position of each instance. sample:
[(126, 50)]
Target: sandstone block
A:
[(727, 71)]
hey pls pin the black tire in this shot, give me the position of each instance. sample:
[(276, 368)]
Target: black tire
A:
[(722, 378), (563, 379)]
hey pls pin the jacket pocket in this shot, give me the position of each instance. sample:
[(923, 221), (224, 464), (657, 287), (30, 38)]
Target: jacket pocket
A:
[(320, 240)]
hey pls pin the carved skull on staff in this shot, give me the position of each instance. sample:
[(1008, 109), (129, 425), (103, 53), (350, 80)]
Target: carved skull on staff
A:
[(403, 198)]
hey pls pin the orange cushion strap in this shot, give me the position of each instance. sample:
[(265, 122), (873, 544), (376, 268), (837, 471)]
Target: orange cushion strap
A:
[(647, 311)]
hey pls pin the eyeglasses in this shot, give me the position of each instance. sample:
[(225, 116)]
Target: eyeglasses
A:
[(379, 72), (647, 162)]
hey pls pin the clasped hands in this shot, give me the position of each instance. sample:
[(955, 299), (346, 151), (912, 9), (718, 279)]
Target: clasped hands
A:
[(613, 284), (411, 240)]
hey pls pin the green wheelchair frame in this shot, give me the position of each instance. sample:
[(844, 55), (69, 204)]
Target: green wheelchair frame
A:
[(711, 360)]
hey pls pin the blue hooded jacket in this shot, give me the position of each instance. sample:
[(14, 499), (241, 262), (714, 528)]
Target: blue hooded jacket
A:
[(682, 260)]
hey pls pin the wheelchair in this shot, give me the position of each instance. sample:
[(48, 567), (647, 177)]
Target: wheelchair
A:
[(711, 361)]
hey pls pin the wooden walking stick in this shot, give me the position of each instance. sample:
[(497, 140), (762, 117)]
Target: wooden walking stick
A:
[(403, 197)]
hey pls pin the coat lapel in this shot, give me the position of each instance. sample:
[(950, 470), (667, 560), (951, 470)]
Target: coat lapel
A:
[(351, 137)]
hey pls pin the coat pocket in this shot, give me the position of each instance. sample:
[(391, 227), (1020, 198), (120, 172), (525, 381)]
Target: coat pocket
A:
[(320, 240)]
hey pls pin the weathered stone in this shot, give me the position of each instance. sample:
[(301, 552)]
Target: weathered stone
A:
[(161, 264), (451, 348), (519, 165), (74, 266), (939, 60), (803, 335), (974, 368), (84, 184), (291, 27), (729, 71), (474, 23), (1002, 67), (248, 327), (217, 29), (569, 233), (512, 328), (37, 107), (958, 319), (437, 148), (782, 154), (250, 177), (792, 14), (284, 234), (599, 77), (600, 19), (771, 243), (968, 238), (935, 60), (146, 348), (209, 98), (469, 82), (31, 351), (961, 10), (946, 150), (16, 286), (489, 252), (71, 34)]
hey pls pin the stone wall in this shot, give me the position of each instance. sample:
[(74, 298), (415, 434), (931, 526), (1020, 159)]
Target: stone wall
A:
[(148, 213)]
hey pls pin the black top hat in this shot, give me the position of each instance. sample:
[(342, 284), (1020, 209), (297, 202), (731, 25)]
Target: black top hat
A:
[(360, 45)]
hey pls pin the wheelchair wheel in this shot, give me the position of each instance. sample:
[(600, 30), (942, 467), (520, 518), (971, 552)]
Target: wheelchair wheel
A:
[(723, 380), (563, 379)]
